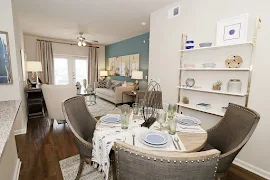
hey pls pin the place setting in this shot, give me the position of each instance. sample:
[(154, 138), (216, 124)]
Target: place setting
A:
[(188, 124)]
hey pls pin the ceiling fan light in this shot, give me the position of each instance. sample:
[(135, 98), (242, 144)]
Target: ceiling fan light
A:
[(79, 43), (84, 44)]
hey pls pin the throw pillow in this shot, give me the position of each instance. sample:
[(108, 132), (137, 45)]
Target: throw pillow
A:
[(102, 83), (113, 87), (109, 84)]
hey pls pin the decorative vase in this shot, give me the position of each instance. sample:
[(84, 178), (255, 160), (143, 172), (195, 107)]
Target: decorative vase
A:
[(234, 86), (84, 83), (189, 44)]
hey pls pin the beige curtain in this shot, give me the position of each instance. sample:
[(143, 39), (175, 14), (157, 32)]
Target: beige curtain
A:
[(92, 65), (45, 55)]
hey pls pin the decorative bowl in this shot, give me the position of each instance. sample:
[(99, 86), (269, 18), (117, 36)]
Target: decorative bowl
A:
[(206, 44), (209, 65), (189, 65)]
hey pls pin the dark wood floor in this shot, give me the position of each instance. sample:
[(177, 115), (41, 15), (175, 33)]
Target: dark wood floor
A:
[(41, 149)]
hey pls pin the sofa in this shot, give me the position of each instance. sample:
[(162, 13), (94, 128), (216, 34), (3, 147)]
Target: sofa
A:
[(115, 96)]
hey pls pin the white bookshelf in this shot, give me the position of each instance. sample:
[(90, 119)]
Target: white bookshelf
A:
[(205, 77), (214, 69), (209, 111), (216, 47), (212, 91)]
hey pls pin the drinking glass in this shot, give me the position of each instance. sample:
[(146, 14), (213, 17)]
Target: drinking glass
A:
[(125, 114), (171, 111), (135, 108), (165, 107), (161, 118), (141, 106), (124, 121), (172, 126)]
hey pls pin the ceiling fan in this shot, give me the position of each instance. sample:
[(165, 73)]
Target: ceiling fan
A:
[(83, 42)]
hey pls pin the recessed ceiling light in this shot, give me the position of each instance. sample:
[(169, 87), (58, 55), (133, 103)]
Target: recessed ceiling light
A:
[(143, 24)]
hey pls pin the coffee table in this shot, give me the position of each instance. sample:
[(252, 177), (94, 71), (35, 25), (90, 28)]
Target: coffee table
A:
[(90, 97)]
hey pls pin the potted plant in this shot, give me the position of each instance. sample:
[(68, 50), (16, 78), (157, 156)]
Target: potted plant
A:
[(185, 100), (217, 86)]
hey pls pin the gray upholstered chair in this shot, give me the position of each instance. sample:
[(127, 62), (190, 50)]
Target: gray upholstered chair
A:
[(82, 125), (231, 134), (133, 163)]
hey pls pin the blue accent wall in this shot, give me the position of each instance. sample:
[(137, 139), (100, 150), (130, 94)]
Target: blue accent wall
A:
[(131, 46)]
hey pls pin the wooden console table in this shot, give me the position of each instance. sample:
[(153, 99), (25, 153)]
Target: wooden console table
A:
[(35, 102)]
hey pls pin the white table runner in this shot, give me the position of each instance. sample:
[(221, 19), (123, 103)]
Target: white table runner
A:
[(104, 137)]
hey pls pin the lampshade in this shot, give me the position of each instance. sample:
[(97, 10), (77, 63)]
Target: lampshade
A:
[(33, 66), (103, 73), (137, 75)]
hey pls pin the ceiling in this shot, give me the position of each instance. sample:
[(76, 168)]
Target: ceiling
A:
[(107, 21)]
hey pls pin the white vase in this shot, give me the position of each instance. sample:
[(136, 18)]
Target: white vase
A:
[(234, 86)]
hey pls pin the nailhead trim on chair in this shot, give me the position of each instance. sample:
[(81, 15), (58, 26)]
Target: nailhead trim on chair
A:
[(161, 160), (245, 109)]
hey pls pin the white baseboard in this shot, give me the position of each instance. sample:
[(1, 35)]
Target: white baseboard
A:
[(251, 168), (17, 170), (20, 131)]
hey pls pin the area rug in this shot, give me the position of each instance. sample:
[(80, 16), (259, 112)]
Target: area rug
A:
[(101, 108), (69, 168)]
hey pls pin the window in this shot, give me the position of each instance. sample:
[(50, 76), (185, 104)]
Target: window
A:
[(70, 69)]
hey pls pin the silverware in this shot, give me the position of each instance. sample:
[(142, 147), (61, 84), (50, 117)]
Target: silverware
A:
[(177, 142), (174, 143), (184, 127)]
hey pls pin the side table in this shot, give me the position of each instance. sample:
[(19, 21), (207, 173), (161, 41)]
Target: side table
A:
[(35, 102), (129, 93), (90, 97)]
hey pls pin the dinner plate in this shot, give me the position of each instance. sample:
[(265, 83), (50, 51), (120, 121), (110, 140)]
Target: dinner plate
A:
[(188, 121), (155, 138), (155, 146), (110, 119)]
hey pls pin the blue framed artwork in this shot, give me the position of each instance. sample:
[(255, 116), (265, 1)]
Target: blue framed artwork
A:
[(5, 65), (232, 31)]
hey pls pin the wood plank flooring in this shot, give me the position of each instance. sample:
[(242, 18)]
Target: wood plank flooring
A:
[(41, 149)]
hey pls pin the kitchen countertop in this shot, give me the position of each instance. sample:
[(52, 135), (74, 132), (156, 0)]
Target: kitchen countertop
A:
[(8, 112)]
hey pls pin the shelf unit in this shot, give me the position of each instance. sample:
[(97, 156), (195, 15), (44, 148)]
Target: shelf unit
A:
[(216, 47), (209, 111), (213, 110), (212, 91), (214, 69)]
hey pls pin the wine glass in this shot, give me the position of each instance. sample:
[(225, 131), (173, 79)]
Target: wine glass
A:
[(161, 117)]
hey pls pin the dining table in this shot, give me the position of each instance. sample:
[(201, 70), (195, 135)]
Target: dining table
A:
[(189, 139)]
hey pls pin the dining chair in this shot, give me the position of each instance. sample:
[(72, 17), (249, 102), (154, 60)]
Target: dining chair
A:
[(82, 125), (140, 164), (231, 134)]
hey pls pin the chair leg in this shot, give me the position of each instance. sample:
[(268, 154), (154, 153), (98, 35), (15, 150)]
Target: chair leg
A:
[(80, 169)]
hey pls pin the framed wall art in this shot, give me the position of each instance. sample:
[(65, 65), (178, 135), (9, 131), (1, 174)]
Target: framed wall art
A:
[(5, 63), (232, 31), (134, 62), (123, 65), (111, 68)]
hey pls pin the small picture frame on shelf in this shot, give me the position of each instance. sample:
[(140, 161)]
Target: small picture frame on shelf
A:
[(232, 31)]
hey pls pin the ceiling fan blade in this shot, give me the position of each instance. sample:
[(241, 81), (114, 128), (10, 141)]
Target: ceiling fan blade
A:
[(91, 41)]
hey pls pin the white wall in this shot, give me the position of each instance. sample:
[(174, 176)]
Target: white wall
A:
[(15, 91), (31, 49), (9, 92), (198, 19)]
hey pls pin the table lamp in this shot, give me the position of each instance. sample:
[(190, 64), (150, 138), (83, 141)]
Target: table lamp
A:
[(34, 66), (136, 75), (103, 74)]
